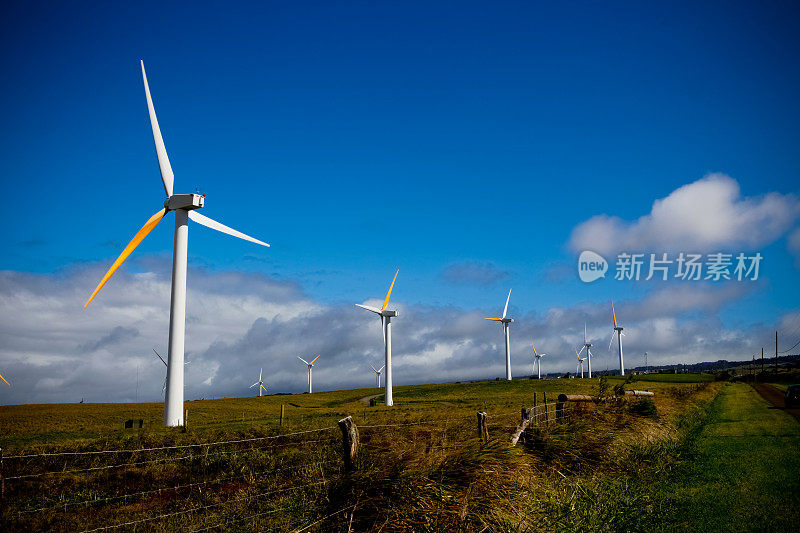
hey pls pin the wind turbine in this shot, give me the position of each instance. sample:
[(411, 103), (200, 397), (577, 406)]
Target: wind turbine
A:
[(506, 321), (588, 347), (378, 374), (4, 379), (166, 365), (618, 331), (310, 366), (260, 383), (184, 206), (386, 316), (580, 363), (538, 363)]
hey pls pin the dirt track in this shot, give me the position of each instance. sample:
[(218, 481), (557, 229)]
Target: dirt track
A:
[(775, 397)]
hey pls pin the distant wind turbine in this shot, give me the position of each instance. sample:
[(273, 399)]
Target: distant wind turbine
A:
[(166, 365), (260, 383), (588, 347), (386, 316), (184, 206), (310, 366), (580, 363), (378, 373), (506, 321), (618, 332), (537, 363)]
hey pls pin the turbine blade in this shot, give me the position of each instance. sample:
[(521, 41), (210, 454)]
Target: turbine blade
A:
[(369, 308), (263, 387), (213, 224), (303, 360), (373, 369), (4, 379), (253, 385), (582, 349), (613, 313), (505, 309), (159, 356), (140, 235), (167, 177), (534, 349), (498, 319), (386, 301), (584, 333), (260, 370), (313, 360), (379, 371), (610, 340), (383, 329)]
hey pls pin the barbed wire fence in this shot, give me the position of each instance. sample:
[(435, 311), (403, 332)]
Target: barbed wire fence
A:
[(254, 478)]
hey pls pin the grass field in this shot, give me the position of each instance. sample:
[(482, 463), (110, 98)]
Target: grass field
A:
[(420, 465)]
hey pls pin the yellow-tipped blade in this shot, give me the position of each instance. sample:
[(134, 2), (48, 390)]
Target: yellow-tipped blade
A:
[(4, 379), (614, 314), (147, 228), (584, 333), (493, 319), (534, 349), (386, 301), (373, 368), (312, 361)]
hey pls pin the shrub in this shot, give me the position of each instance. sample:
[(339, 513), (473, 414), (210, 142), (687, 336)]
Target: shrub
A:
[(644, 407)]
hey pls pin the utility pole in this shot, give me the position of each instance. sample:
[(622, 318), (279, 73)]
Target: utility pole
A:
[(776, 352)]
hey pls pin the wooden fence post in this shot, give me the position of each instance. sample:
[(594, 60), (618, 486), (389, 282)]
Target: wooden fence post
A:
[(523, 425), (2, 488), (282, 407), (535, 411), (349, 442), (483, 433), (546, 410), (560, 411)]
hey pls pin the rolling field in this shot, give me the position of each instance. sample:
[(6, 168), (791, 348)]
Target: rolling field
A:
[(420, 464)]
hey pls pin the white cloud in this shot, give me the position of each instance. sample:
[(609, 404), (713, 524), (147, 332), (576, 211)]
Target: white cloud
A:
[(793, 243), (52, 351), (705, 216)]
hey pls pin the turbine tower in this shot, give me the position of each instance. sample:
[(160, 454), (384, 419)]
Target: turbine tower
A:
[(537, 364), (310, 366), (164, 387), (386, 316), (618, 331), (184, 206), (260, 383), (378, 374), (588, 347), (580, 363), (506, 321)]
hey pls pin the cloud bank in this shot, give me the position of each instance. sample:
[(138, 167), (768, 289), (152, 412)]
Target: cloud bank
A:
[(52, 351)]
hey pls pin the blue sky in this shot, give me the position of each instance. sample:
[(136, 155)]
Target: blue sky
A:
[(450, 140)]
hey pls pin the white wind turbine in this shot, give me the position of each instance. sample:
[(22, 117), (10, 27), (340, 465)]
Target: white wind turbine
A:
[(588, 347), (618, 332), (184, 206), (310, 366), (166, 365), (537, 363), (580, 363), (386, 316), (506, 321), (260, 383), (378, 373)]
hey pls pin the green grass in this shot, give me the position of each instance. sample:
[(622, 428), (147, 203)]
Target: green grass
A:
[(435, 476), (746, 473)]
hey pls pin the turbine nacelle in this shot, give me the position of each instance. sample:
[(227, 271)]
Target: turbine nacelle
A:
[(184, 201)]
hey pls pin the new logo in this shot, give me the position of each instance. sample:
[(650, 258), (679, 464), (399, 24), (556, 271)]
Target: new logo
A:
[(591, 266)]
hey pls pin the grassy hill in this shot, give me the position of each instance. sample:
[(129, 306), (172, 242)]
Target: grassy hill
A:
[(420, 464)]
